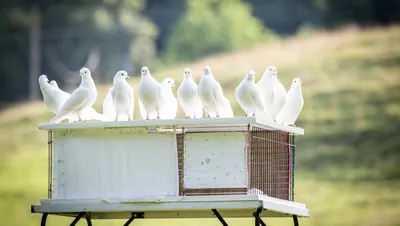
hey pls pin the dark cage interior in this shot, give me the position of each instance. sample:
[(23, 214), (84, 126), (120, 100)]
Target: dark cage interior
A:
[(270, 163)]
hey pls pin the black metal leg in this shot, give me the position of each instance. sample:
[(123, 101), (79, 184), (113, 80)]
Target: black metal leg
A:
[(130, 220), (134, 216), (220, 218), (257, 217), (44, 218), (77, 218), (88, 220), (295, 220)]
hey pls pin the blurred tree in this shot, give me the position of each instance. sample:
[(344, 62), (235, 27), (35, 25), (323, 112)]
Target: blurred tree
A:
[(211, 26), (286, 16), (164, 14), (71, 34), (364, 12)]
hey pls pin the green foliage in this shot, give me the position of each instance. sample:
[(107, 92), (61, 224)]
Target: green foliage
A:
[(211, 26)]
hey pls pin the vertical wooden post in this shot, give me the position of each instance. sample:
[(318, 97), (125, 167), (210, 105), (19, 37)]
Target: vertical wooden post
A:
[(34, 53)]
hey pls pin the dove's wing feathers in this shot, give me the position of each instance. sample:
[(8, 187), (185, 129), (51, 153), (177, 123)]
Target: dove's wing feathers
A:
[(199, 109), (293, 106), (92, 114), (77, 100), (225, 108), (278, 98), (143, 112), (257, 99), (108, 106), (131, 102)]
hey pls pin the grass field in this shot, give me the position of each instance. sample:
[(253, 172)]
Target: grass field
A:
[(347, 162)]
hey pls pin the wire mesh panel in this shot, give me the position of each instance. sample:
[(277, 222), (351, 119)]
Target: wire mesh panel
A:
[(50, 165), (270, 166), (180, 138), (271, 163)]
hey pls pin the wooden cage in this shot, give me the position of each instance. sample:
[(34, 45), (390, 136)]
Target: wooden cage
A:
[(183, 157)]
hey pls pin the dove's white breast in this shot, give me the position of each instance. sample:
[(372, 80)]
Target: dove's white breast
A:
[(121, 93), (266, 88), (187, 92)]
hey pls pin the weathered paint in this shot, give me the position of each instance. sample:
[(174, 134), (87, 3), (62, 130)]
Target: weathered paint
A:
[(112, 163), (215, 160)]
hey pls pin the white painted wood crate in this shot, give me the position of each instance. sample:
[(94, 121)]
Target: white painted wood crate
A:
[(106, 160)]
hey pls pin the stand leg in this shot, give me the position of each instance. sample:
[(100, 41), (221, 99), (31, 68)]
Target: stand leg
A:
[(133, 217), (88, 220), (295, 220), (77, 218), (44, 218), (130, 220), (220, 218), (257, 217)]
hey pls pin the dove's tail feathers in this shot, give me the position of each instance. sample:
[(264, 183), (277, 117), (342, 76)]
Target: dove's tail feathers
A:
[(263, 115), (109, 112), (226, 110), (199, 112), (96, 116), (142, 110), (73, 118), (59, 117)]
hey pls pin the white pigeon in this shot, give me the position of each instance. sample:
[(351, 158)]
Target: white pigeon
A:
[(293, 105), (121, 94), (272, 90), (80, 100), (211, 94), (54, 83), (249, 97), (87, 114), (53, 97), (170, 104), (150, 94), (188, 96)]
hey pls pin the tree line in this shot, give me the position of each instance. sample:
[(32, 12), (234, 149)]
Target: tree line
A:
[(57, 38)]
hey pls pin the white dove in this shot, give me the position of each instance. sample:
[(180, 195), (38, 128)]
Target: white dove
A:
[(272, 90), (80, 100), (249, 97), (211, 94), (188, 96), (170, 104), (87, 114), (150, 94), (293, 105), (54, 83), (122, 97), (53, 97)]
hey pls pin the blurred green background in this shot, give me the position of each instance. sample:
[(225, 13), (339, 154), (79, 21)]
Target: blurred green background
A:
[(347, 54)]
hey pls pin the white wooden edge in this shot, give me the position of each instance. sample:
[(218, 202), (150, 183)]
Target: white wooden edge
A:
[(178, 123), (188, 203), (236, 213)]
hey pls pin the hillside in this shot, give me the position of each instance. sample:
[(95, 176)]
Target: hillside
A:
[(351, 87)]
